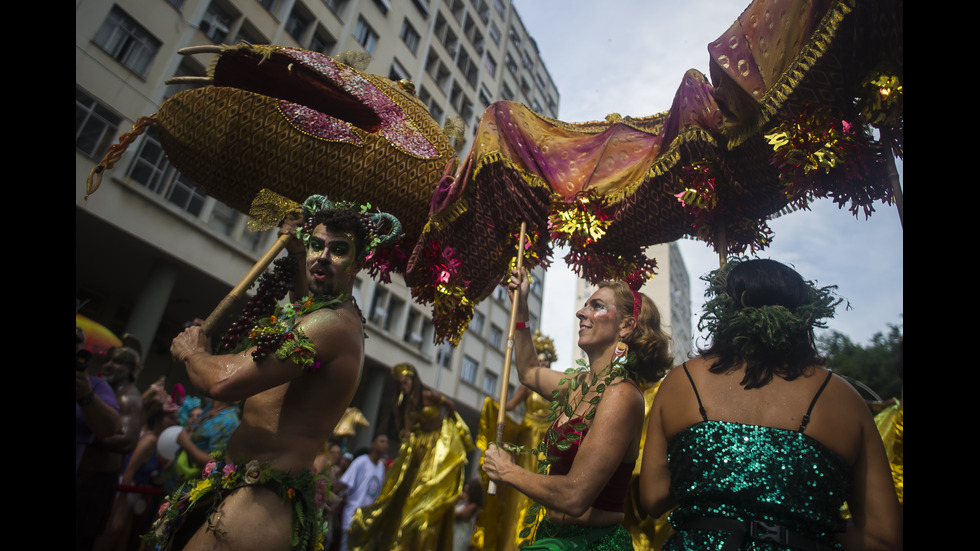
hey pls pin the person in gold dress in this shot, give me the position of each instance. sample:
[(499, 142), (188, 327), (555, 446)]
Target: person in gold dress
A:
[(416, 507), (500, 524)]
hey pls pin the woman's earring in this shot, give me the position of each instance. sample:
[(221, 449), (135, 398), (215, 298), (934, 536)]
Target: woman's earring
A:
[(621, 349)]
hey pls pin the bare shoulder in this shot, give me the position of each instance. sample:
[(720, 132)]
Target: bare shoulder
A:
[(621, 400), (334, 330)]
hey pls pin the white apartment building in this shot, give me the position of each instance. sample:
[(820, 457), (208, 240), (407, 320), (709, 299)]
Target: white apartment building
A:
[(152, 251)]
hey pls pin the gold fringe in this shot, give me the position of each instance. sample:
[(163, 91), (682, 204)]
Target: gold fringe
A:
[(115, 152), (666, 160), (812, 52), (441, 220)]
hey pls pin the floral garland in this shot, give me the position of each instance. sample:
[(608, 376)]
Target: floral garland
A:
[(561, 403), (278, 333), (700, 199), (305, 491), (451, 310), (820, 154), (766, 327)]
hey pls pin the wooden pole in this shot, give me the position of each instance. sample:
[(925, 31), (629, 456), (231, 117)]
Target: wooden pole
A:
[(896, 184), (502, 405), (231, 299), (721, 242)]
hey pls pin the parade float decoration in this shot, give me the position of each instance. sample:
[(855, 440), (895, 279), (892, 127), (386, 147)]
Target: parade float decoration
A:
[(804, 102), (298, 123)]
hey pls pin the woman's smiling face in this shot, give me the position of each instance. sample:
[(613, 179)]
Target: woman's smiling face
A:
[(599, 322)]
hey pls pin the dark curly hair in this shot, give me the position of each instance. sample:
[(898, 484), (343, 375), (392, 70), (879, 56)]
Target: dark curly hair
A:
[(343, 220), (761, 314), (648, 343)]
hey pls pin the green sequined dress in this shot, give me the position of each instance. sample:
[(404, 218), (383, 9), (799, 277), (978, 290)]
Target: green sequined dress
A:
[(748, 472)]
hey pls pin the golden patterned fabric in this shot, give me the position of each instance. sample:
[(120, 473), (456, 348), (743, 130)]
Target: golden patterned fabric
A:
[(703, 168), (299, 123), (415, 510)]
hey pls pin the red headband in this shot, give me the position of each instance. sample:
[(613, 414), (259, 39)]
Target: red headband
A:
[(636, 304)]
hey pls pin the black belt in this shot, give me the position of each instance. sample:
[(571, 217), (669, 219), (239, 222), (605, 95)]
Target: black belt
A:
[(756, 530)]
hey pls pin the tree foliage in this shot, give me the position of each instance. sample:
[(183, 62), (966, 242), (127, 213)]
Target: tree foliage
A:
[(874, 365)]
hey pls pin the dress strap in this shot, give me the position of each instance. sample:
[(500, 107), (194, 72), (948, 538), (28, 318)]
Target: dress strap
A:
[(704, 415), (806, 418)]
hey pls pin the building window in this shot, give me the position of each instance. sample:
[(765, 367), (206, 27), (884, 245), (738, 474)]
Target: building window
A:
[(536, 283), (383, 6), (515, 37), (270, 5), (500, 292), (506, 92), (491, 64), (412, 334), (476, 325), (152, 169), (472, 32), (95, 125), (176, 3), (398, 71), (436, 112), (127, 41), (485, 97), (249, 34), (466, 110), (501, 8), (335, 5), (296, 25), (216, 23), (223, 218), (444, 355), (457, 8), (494, 33), (378, 314), (490, 383), (511, 64), (468, 370), (526, 60), (446, 35), (365, 35), (466, 65), (496, 336), (410, 36), (322, 42), (422, 6)]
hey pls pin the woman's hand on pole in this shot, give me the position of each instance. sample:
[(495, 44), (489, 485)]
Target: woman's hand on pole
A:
[(523, 282)]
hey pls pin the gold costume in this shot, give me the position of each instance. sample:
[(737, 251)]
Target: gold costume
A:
[(502, 518), (648, 533), (503, 515), (891, 427), (415, 509)]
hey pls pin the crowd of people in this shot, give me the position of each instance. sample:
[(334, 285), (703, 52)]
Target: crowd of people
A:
[(752, 444)]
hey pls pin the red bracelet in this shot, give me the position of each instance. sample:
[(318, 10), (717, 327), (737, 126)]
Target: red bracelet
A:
[(522, 325)]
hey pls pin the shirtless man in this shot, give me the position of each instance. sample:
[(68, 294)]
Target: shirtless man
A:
[(290, 411)]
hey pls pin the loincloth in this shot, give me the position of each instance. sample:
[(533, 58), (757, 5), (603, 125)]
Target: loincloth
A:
[(305, 493)]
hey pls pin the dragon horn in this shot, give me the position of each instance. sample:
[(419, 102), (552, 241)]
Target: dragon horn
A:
[(394, 233)]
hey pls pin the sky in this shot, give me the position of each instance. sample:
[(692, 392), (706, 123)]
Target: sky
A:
[(628, 57)]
